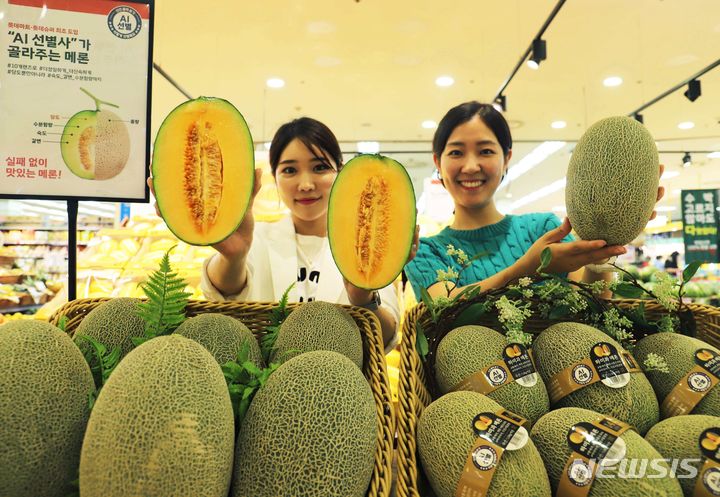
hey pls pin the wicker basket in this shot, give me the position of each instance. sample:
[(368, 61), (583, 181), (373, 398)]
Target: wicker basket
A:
[(414, 396), (256, 316)]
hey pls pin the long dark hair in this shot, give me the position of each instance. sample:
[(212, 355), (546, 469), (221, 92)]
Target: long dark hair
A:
[(312, 133)]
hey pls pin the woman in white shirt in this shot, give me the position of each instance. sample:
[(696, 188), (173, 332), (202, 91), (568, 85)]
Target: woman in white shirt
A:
[(260, 260)]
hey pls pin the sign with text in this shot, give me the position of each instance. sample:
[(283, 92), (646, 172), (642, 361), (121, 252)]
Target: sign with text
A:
[(75, 99), (700, 225)]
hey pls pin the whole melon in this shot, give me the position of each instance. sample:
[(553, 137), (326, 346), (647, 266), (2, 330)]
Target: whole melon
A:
[(467, 350), (162, 425), (612, 181), (319, 326), (679, 353), (445, 436), (113, 323), (311, 430), (679, 438), (222, 335), (564, 344), (550, 437), (44, 388)]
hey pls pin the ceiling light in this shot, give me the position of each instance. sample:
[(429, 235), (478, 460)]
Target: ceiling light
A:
[(500, 103), (540, 193), (368, 147), (445, 81), (559, 208), (687, 160), (670, 174), (558, 124), (676, 192), (686, 125), (508, 195), (665, 208), (612, 81), (275, 83), (714, 155), (535, 157), (639, 118), (657, 222), (267, 145), (429, 124), (693, 91), (539, 53)]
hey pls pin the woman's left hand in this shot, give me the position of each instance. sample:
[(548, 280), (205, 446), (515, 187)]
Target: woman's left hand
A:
[(660, 193)]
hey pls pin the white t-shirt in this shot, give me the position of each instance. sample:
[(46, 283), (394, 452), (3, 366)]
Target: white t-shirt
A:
[(310, 254)]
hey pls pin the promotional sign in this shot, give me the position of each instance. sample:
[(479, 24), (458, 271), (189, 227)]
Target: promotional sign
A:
[(75, 99), (700, 225)]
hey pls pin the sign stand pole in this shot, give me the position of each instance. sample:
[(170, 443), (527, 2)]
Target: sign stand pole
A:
[(72, 210)]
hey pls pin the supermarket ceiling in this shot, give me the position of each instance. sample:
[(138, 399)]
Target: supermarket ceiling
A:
[(368, 68)]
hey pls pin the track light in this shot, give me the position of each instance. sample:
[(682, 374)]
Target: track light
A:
[(687, 160), (693, 90), (500, 103), (539, 53), (639, 118)]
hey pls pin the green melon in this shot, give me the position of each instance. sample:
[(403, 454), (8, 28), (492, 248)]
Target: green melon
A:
[(469, 349), (113, 323), (319, 326), (222, 335), (445, 436), (678, 438), (612, 181), (310, 430), (550, 437), (44, 388), (564, 344), (679, 352), (162, 425)]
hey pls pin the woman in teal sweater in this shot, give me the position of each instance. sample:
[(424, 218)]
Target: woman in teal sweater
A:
[(472, 148)]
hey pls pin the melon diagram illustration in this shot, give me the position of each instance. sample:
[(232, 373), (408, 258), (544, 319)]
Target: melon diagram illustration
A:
[(95, 144)]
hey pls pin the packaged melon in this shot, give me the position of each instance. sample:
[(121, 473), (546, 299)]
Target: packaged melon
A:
[(583, 367), (480, 359), (371, 220)]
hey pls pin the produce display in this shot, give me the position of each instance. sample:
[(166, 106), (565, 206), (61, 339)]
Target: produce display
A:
[(371, 220), (203, 170)]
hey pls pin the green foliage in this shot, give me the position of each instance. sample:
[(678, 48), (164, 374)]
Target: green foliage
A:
[(277, 316), (244, 379), (102, 363), (164, 309), (62, 322), (421, 341), (654, 362), (690, 270), (545, 259)]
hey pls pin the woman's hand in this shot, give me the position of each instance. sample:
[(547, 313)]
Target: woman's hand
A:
[(237, 245), (566, 256)]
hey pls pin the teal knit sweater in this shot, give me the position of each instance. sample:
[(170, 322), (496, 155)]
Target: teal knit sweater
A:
[(503, 242)]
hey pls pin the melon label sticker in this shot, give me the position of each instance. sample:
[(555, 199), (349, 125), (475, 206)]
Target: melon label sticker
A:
[(609, 365), (708, 483), (592, 444), (521, 365), (495, 432), (694, 386)]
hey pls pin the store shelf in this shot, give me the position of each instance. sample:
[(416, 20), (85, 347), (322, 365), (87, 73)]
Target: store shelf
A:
[(20, 308), (45, 244), (37, 228)]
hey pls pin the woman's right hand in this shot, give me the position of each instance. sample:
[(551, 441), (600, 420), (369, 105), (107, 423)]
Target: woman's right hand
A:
[(566, 256), (237, 245)]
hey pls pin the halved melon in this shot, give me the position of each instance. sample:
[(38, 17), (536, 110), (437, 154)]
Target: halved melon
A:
[(371, 220), (203, 170)]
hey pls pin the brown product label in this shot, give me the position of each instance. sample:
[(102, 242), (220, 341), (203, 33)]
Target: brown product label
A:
[(519, 362), (495, 432), (708, 480), (486, 380), (585, 372), (689, 391), (709, 443), (590, 444)]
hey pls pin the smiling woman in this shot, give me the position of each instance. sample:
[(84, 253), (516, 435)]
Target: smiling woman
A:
[(259, 261), (472, 148)]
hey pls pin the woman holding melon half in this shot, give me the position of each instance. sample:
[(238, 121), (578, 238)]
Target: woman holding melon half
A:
[(472, 148), (259, 261)]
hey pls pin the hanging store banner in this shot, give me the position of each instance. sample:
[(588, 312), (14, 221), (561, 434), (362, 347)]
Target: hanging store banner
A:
[(700, 225), (75, 99)]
